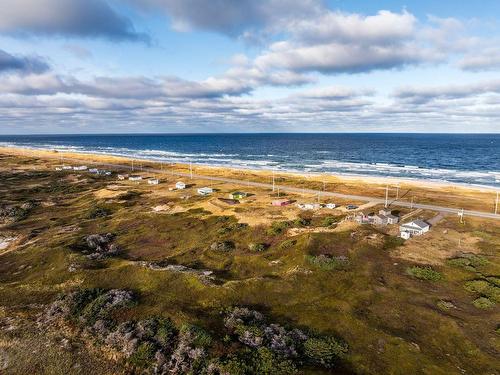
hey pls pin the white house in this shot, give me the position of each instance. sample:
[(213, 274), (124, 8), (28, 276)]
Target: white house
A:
[(80, 168), (380, 219), (94, 170), (122, 176), (309, 206), (414, 228), (392, 219), (58, 169), (153, 181), (330, 206), (205, 191), (180, 185), (66, 167), (135, 178), (405, 235)]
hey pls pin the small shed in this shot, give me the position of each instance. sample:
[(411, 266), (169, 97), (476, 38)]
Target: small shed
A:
[(153, 181), (281, 202), (122, 176), (80, 168), (237, 195), (180, 185), (135, 178), (330, 206), (94, 170), (405, 235), (205, 191), (385, 211)]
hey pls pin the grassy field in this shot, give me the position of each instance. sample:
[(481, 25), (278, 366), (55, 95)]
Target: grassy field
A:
[(427, 306)]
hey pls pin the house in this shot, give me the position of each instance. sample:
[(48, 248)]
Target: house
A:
[(135, 178), (80, 168), (180, 185), (414, 228), (153, 181), (67, 167), (94, 170), (385, 211), (205, 191), (380, 219), (363, 218), (392, 219), (281, 202), (122, 176), (58, 169), (330, 206), (309, 206), (237, 195)]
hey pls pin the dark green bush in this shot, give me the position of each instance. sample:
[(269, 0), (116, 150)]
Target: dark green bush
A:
[(324, 351), (424, 273), (328, 263)]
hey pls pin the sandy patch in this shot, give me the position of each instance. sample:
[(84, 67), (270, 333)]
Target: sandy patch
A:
[(108, 193)]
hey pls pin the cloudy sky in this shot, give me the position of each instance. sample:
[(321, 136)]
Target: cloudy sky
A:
[(119, 66)]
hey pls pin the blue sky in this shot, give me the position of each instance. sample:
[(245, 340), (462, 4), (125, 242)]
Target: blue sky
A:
[(87, 66)]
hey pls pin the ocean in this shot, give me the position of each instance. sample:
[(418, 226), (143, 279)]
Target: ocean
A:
[(457, 158)]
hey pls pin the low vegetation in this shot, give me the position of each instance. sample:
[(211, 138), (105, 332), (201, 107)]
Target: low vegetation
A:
[(424, 273)]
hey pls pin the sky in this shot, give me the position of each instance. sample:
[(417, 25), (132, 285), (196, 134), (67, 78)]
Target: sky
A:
[(191, 66)]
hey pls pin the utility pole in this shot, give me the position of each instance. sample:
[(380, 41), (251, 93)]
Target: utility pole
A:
[(386, 195), (132, 165), (397, 192), (411, 204), (496, 204), (273, 180), (461, 215), (191, 170)]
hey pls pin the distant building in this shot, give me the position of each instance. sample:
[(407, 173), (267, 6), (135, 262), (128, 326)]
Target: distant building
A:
[(351, 207), (237, 195), (414, 228), (380, 219), (392, 219), (80, 168), (405, 235), (122, 176), (281, 202), (205, 191), (67, 167), (180, 185), (309, 206), (153, 181), (94, 170), (58, 169), (385, 211), (135, 178), (363, 218), (330, 206)]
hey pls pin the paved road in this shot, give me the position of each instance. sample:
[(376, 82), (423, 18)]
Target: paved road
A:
[(292, 189)]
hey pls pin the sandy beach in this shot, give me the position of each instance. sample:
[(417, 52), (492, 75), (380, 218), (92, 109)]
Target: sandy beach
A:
[(422, 191)]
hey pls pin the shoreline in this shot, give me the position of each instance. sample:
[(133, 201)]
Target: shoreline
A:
[(347, 177)]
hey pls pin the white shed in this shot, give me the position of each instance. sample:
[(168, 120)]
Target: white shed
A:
[(180, 185), (205, 191)]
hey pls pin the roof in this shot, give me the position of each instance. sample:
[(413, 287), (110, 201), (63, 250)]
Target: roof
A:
[(417, 223), (391, 216)]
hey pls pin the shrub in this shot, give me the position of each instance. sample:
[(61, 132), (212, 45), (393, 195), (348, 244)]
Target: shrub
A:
[(258, 247), (278, 227), (483, 303), (302, 222), (265, 362), (328, 221), (328, 263), (166, 332), (424, 273), (98, 212), (324, 351), (469, 261), (287, 244), (484, 288), (199, 337), (144, 355)]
